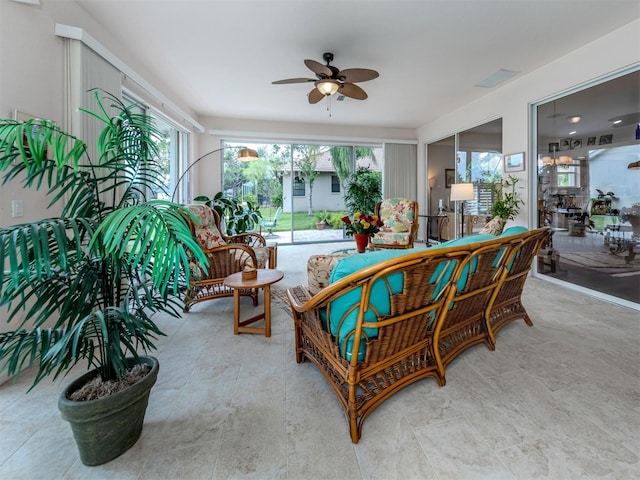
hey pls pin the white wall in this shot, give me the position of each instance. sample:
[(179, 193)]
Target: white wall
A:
[(615, 51), (323, 197)]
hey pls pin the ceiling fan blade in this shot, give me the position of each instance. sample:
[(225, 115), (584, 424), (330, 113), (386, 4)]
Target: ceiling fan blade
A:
[(315, 96), (293, 80), (352, 91), (352, 75), (318, 68)]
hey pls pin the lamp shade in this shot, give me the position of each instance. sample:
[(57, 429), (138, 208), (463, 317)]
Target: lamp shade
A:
[(247, 155), (244, 155), (462, 191), (327, 87)]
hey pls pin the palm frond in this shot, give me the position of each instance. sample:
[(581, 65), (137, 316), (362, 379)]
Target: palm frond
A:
[(151, 233)]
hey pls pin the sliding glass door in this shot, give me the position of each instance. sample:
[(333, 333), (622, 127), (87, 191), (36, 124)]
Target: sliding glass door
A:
[(588, 146), (299, 188)]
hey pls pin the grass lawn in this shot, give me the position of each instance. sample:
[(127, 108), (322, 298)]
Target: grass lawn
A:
[(301, 220)]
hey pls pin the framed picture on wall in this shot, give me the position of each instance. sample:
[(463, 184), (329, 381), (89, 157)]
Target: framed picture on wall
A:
[(449, 177), (514, 162), (606, 139)]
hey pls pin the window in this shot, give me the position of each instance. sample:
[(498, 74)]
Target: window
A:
[(335, 184), (172, 152), (484, 170), (172, 149), (298, 187), (568, 176)]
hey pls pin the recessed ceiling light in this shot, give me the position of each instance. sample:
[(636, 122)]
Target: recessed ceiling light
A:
[(574, 119), (617, 122), (572, 133)]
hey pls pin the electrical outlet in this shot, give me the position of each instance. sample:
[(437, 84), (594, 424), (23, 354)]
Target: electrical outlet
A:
[(17, 208)]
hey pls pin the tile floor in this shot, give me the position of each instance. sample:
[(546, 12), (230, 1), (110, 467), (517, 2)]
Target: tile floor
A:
[(559, 400)]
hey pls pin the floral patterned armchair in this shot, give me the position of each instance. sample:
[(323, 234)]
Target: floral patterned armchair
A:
[(400, 217), (226, 255)]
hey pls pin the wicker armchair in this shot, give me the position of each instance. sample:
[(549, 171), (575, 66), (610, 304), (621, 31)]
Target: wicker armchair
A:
[(400, 217), (226, 255)]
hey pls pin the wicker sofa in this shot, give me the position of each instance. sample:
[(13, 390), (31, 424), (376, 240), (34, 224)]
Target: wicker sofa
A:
[(386, 319)]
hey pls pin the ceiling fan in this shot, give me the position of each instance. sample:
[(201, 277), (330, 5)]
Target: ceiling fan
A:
[(330, 80)]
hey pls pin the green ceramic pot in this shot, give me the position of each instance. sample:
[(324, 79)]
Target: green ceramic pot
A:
[(106, 428)]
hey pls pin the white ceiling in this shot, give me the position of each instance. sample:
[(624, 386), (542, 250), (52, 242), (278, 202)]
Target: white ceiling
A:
[(220, 56)]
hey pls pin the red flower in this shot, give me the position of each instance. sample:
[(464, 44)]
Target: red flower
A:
[(362, 223)]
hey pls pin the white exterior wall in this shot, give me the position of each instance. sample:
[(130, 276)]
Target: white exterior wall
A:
[(323, 197)]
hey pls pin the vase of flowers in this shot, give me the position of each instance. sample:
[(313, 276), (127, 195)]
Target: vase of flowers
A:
[(362, 227)]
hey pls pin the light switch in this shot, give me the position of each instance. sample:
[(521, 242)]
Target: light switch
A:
[(17, 208)]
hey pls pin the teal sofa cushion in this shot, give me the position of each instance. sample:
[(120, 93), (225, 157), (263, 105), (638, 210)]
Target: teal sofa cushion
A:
[(462, 281), (513, 231), (344, 309)]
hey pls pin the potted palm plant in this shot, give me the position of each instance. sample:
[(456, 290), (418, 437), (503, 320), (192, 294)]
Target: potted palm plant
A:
[(85, 286)]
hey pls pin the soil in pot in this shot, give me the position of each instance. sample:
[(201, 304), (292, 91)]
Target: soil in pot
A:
[(107, 427)]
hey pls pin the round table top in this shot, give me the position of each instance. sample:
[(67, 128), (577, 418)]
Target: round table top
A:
[(266, 276)]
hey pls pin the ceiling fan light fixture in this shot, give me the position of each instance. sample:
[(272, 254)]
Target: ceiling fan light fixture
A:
[(327, 87), (574, 119)]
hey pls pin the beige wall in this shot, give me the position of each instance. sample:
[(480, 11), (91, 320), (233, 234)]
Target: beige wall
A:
[(31, 80)]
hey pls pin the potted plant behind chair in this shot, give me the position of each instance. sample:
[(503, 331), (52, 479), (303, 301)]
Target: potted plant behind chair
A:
[(235, 217), (363, 191), (85, 286)]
